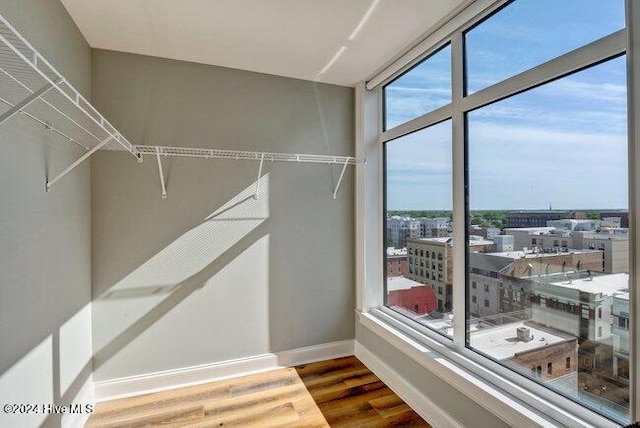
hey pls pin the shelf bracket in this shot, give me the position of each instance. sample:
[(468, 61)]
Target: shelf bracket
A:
[(77, 162), (164, 190), (255, 195), (22, 104), (344, 168)]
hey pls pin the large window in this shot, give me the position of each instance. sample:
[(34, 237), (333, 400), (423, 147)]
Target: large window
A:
[(541, 266), (561, 145), (530, 32), (418, 226), (420, 90)]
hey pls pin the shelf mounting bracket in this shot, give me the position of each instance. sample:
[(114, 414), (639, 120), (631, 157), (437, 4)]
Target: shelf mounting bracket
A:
[(344, 168), (22, 104), (77, 162), (255, 195), (164, 190)]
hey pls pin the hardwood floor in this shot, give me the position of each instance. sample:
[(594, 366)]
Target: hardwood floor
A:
[(333, 393)]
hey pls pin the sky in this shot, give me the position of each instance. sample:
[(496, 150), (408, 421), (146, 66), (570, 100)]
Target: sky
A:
[(563, 144)]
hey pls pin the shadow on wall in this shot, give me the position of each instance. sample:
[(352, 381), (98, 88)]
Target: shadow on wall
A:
[(191, 263), (63, 362)]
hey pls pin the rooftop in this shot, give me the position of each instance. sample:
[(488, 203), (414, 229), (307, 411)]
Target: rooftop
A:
[(605, 284), (391, 251), (440, 241), (622, 295), (395, 283), (541, 229), (474, 242), (532, 254), (501, 342)]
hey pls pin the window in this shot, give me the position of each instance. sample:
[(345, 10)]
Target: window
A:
[(526, 33), (585, 312), (530, 108), (623, 322), (425, 87), (490, 134), (408, 157)]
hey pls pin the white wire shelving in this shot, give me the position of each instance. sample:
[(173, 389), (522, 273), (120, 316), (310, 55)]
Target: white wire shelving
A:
[(159, 151), (31, 86), (244, 155)]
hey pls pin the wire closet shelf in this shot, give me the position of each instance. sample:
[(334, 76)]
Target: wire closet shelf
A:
[(32, 87), (244, 155)]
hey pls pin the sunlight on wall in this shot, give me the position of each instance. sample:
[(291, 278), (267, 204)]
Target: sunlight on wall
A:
[(75, 347), (29, 382), (227, 318), (179, 264)]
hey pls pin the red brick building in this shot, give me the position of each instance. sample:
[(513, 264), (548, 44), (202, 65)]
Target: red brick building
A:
[(411, 295)]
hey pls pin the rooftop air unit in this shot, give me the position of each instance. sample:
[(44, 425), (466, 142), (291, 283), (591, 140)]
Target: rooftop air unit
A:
[(524, 334)]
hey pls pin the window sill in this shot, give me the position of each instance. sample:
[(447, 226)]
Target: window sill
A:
[(518, 404)]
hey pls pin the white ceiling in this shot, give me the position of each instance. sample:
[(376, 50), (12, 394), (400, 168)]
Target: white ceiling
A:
[(293, 38)]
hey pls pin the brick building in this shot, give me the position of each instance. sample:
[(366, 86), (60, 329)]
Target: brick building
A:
[(416, 298)]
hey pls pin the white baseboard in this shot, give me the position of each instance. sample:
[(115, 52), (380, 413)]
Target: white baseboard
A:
[(419, 402), (86, 399), (170, 379)]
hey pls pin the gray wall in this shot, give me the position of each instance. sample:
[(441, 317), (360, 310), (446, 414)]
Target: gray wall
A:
[(465, 411), (211, 274), (45, 270)]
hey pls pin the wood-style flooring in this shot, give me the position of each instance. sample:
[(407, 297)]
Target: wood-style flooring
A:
[(335, 393)]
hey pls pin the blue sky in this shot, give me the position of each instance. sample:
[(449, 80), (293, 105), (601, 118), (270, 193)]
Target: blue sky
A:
[(562, 144)]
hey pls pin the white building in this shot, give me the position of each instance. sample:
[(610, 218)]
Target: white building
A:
[(435, 227), (581, 307), (399, 229), (571, 224), (620, 327), (614, 243)]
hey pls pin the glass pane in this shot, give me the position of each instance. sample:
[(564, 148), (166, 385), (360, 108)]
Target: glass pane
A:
[(418, 226), (548, 184), (420, 90), (527, 33)]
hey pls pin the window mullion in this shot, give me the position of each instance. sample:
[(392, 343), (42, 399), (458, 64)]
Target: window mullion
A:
[(633, 101), (433, 117), (458, 214), (593, 53)]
